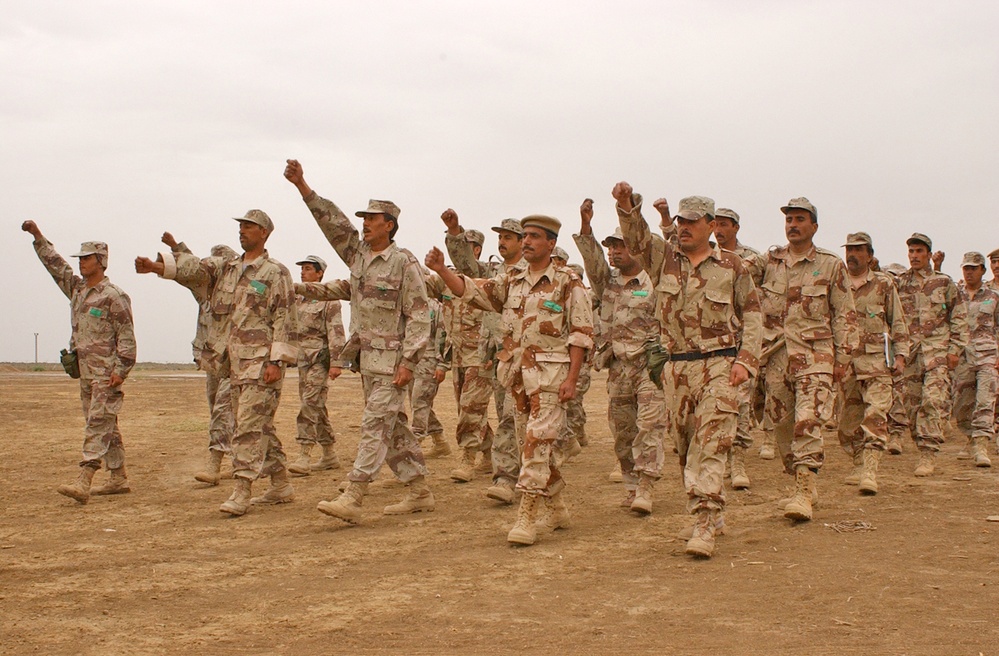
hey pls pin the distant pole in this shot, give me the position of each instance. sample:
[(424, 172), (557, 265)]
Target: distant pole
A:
[(36, 348)]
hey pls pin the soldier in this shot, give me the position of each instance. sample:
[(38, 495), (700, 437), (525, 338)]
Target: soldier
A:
[(390, 319), (938, 333), (994, 265), (505, 449), (710, 328), (884, 346), (636, 410), (254, 336), (809, 334), (429, 374), (320, 330), (217, 386), (975, 375), (898, 420), (548, 326), (103, 342), (726, 232)]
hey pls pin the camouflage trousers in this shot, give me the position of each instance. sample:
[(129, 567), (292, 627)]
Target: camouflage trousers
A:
[(924, 398), (637, 415), (743, 437), (472, 392), (575, 413), (220, 422), (798, 407), (101, 437), (385, 434), (539, 421), (422, 394), (864, 418), (256, 449), (505, 445), (702, 413), (975, 398), (898, 419), (313, 419)]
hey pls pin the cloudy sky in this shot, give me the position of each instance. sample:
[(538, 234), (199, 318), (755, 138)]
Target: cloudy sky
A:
[(120, 120)]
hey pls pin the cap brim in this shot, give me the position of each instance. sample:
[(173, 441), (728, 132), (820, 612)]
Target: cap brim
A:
[(688, 215), (608, 240), (512, 232), (855, 243), (912, 240)]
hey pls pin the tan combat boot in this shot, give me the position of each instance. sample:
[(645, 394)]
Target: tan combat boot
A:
[(642, 503), (572, 449), (768, 450), (117, 484), (799, 507), (303, 464), (465, 471), (80, 490), (895, 445), (924, 466), (869, 477), (702, 538), (524, 531), (628, 499), (348, 505), (280, 491), (212, 473), (485, 465), (853, 478), (554, 514), (967, 450), (502, 490), (616, 476), (328, 460), (737, 461), (980, 451), (440, 449), (419, 498), (687, 533), (239, 502)]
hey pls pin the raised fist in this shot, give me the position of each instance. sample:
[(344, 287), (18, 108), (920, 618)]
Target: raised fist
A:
[(586, 211), (662, 206), (168, 239), (450, 219), (435, 260), (29, 226), (293, 171), (622, 192)]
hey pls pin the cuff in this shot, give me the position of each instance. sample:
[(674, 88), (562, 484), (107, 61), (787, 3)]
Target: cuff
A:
[(169, 266), (749, 361), (581, 340), (284, 352), (409, 364)]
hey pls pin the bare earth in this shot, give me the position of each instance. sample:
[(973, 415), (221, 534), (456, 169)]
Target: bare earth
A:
[(162, 571)]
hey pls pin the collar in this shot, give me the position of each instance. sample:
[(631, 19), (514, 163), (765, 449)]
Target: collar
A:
[(525, 271), (385, 254), (253, 263)]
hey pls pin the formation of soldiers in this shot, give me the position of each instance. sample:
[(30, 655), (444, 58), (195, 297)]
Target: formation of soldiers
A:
[(697, 332)]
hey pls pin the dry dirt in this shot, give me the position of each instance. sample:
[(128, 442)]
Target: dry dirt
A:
[(162, 571)]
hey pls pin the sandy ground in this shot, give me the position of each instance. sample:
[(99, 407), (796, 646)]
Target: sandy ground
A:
[(162, 571)]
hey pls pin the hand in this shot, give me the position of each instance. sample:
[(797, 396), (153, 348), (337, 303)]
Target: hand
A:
[(145, 265), (938, 260), (586, 215), (435, 260), (662, 206), (738, 375), (168, 239), (439, 375), (402, 376), (875, 264), (450, 219), (567, 390), (335, 372), (839, 372), (294, 173), (272, 373), (29, 226), (952, 361), (622, 193), (116, 380), (899, 365)]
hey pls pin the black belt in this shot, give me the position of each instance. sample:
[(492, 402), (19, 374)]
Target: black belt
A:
[(696, 355)]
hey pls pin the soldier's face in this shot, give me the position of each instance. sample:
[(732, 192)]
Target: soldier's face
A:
[(799, 227), (376, 228), (725, 231), (858, 260), (251, 236), (476, 250), (619, 255), (310, 273), (919, 255), (973, 275), (89, 265), (693, 235), (994, 263), (509, 245), (537, 247)]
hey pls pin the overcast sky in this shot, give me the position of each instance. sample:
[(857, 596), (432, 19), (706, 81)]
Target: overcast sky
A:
[(120, 120)]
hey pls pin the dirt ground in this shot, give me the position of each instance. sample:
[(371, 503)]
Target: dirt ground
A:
[(162, 571)]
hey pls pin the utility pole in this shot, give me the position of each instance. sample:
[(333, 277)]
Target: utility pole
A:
[(36, 348)]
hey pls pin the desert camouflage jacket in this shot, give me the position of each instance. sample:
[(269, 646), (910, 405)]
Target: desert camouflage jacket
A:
[(807, 302), (474, 334), (200, 294), (627, 305), (879, 314), (710, 307), (983, 324), (433, 355), (254, 318), (389, 315), (754, 262), (101, 317), (938, 320), (320, 331)]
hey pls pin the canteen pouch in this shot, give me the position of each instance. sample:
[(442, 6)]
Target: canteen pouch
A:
[(70, 363)]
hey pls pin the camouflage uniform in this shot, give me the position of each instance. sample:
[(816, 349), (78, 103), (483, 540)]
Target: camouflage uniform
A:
[(628, 321), (390, 318), (938, 327), (320, 327), (975, 376), (254, 321), (423, 387), (754, 263), (104, 341), (709, 313)]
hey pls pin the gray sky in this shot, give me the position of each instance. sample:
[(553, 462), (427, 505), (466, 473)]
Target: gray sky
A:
[(120, 120)]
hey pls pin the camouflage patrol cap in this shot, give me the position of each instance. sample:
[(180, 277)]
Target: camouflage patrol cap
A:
[(919, 238), (858, 239), (973, 259), (549, 223), (509, 225), (221, 250), (801, 203), (385, 207), (98, 248), (693, 208), (726, 213), (475, 237), (258, 217), (315, 260), (578, 270), (560, 253), (895, 269), (994, 254), (617, 236)]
